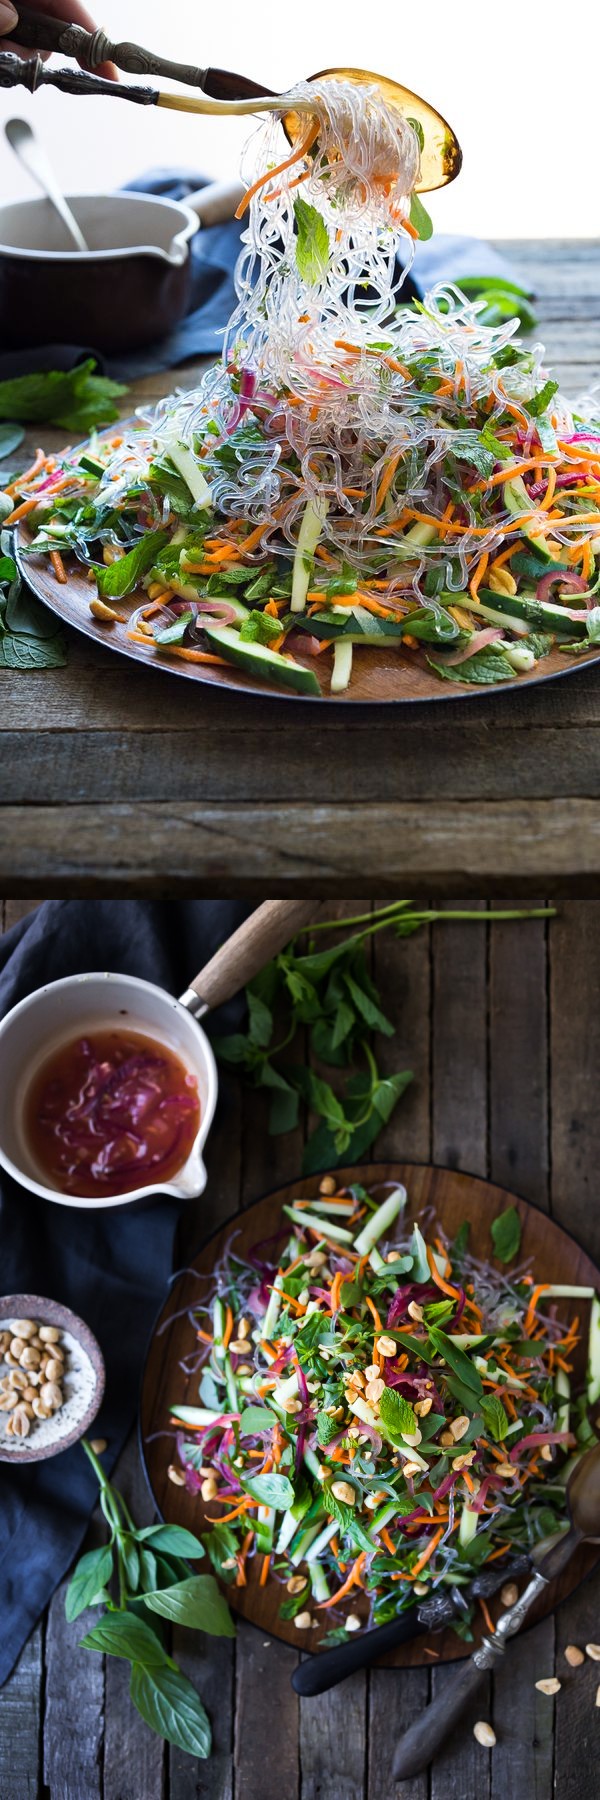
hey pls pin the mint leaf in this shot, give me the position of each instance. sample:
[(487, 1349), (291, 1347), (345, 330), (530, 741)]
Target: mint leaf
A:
[(539, 402), (485, 667), (93, 1573), (260, 1021), (271, 1490), (419, 217), (196, 1603), (367, 1008), (259, 627), (77, 399), (397, 1415), (256, 1419), (124, 1634), (10, 438), (506, 1234), (495, 1418), (327, 1428), (312, 242), (173, 1539), (170, 1705), (120, 578)]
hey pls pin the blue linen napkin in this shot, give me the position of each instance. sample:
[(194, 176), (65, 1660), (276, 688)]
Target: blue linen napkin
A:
[(111, 1268)]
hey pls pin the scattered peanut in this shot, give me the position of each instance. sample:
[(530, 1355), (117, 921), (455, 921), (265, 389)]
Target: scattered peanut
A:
[(41, 1411), (295, 1584), (244, 1368), (51, 1395), (353, 1623), (411, 1468), (509, 1594), (549, 1686), (17, 1346), (593, 1651), (5, 1337), (176, 1476), (574, 1656), (385, 1346), (374, 1390), (343, 1491), (420, 1588), (458, 1427), (49, 1334), (598, 1696), (415, 1311), (500, 581), (328, 1185), (29, 1358), (446, 1438), (54, 1369), (19, 1423), (422, 1408), (25, 1328), (243, 1330), (209, 1488), (372, 1373), (293, 1406), (546, 1453), (303, 1621), (506, 1469), (464, 1462), (98, 1444), (484, 1734)]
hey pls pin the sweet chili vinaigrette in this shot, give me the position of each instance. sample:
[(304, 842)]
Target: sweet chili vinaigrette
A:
[(111, 1111)]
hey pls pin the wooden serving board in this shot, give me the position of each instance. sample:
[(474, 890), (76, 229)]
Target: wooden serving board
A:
[(433, 1194), (379, 677)]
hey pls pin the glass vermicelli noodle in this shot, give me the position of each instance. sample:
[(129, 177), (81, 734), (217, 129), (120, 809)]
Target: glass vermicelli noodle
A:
[(354, 471)]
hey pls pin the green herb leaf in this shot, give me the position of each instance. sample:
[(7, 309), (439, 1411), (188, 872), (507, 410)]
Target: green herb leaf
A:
[(271, 1490), (312, 242), (196, 1603), (93, 1572), (397, 1414), (255, 1419), (538, 403), (173, 1539), (30, 653), (592, 625), (485, 667), (456, 1359), (367, 1008), (76, 399), (495, 1419), (124, 1634), (260, 1026), (170, 1705), (344, 1514), (120, 578), (175, 633), (260, 628), (10, 438), (506, 1234), (327, 1428), (419, 217)]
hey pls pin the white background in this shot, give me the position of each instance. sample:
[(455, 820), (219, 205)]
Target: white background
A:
[(518, 82)]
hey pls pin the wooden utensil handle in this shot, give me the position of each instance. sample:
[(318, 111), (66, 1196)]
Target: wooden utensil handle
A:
[(422, 1742), (260, 937)]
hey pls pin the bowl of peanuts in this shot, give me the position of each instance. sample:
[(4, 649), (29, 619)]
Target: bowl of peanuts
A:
[(51, 1378)]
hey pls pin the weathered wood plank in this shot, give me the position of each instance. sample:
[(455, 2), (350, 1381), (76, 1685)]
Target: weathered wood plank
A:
[(459, 1067), (442, 850), (577, 1718), (20, 1724), (521, 1763), (134, 1758), (395, 1697), (519, 1058), (266, 1734), (402, 970), (574, 1053), (333, 1742), (74, 1711), (153, 766), (209, 1664)]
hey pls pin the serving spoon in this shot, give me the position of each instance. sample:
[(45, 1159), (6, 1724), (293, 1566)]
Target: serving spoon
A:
[(31, 154), (224, 91), (422, 1742)]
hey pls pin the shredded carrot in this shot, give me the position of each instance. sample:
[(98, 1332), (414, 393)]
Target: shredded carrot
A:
[(335, 1294), (297, 154), (422, 1560), (352, 1580), (28, 474), (205, 1335), (386, 480), (58, 566), (266, 1564), (20, 512), (228, 1327), (387, 1540), (236, 1511), (532, 1308), (487, 1616), (477, 578), (439, 1279)]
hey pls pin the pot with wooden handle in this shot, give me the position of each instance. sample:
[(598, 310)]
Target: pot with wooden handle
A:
[(79, 1004)]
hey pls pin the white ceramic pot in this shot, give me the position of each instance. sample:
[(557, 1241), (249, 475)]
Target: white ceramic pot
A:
[(56, 1014)]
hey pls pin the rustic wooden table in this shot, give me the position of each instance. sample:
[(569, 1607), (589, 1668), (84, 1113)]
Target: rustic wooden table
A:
[(118, 780), (502, 1028)]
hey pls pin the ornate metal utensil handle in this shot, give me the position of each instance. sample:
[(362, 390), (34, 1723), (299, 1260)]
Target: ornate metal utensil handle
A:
[(39, 32), (34, 73)]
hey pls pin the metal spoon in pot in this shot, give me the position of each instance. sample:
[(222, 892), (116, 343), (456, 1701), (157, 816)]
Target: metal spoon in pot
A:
[(32, 155), (424, 1740)]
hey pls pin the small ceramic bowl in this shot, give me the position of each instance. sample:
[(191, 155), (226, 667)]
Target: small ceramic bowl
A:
[(129, 289), (83, 1384)]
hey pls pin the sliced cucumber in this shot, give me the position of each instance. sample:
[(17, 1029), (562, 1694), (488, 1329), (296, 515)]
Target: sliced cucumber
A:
[(521, 612), (517, 499), (257, 659)]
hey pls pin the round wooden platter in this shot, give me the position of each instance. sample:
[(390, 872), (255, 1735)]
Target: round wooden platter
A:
[(433, 1194), (379, 677)]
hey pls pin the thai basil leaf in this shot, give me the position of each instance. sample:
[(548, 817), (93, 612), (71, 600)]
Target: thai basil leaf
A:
[(93, 1573), (123, 1634), (506, 1234), (196, 1603), (312, 242), (271, 1490), (170, 1705)]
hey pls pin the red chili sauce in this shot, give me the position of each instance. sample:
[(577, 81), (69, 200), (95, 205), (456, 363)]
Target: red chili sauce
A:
[(111, 1111)]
